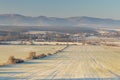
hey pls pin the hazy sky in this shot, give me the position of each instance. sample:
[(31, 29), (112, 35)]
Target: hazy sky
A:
[(63, 8)]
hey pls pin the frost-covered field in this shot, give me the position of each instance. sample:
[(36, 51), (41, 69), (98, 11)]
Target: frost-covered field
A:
[(41, 43), (74, 63), (22, 51)]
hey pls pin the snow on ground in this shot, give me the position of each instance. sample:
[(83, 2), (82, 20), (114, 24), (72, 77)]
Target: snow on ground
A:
[(74, 63), (22, 51), (41, 43)]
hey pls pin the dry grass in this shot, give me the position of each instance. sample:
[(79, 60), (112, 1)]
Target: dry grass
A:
[(32, 55), (21, 51), (48, 54), (41, 56), (75, 62), (13, 60)]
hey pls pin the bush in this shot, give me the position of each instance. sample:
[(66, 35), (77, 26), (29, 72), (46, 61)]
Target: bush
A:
[(59, 51), (32, 55), (13, 60), (49, 54), (41, 56), (19, 61)]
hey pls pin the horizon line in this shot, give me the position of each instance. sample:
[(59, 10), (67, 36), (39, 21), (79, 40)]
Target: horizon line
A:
[(53, 16)]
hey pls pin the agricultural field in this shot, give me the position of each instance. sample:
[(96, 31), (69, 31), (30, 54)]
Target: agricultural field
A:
[(74, 63), (22, 51)]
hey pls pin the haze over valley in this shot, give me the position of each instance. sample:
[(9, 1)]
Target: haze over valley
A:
[(59, 40)]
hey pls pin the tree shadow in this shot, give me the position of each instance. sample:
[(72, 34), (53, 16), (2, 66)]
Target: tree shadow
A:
[(8, 72), (11, 78), (31, 62)]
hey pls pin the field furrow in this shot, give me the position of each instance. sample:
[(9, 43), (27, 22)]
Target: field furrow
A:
[(73, 63)]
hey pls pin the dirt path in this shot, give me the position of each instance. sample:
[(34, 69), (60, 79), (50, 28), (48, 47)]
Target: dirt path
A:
[(74, 63)]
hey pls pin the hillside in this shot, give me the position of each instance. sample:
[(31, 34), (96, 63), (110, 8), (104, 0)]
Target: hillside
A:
[(21, 20)]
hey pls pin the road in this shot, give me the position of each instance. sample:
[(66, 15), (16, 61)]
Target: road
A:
[(74, 63)]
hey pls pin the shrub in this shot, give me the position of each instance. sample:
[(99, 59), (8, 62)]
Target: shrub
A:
[(13, 60), (32, 55), (41, 56), (59, 50), (19, 61), (49, 54)]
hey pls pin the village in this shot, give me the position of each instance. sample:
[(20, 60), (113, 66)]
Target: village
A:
[(36, 37)]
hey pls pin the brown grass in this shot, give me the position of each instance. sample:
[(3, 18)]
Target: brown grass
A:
[(32, 55), (41, 56), (13, 60), (48, 54)]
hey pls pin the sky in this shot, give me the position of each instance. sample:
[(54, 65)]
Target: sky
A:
[(62, 8)]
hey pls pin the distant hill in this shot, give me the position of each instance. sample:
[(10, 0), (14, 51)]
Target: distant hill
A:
[(20, 20)]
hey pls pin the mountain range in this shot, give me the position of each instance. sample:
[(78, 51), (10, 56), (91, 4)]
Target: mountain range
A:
[(84, 21)]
